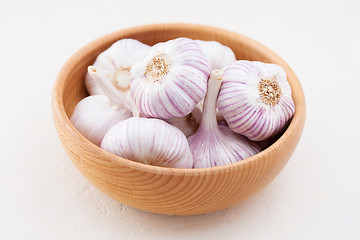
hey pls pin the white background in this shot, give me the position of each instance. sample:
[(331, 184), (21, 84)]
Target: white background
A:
[(317, 194)]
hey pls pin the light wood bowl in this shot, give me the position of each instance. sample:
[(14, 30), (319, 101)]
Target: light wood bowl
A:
[(170, 190)]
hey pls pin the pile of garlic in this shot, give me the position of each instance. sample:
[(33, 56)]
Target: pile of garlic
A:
[(182, 103)]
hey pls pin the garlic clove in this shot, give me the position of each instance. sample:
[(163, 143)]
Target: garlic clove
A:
[(255, 99), (219, 55), (117, 61), (94, 115), (150, 141), (170, 80), (213, 145), (188, 124)]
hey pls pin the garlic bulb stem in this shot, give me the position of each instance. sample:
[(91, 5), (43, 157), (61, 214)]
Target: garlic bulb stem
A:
[(108, 89), (208, 119)]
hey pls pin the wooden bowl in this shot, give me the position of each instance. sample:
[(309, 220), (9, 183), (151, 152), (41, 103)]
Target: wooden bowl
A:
[(170, 190)]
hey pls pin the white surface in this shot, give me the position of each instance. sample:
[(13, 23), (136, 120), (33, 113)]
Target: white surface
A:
[(316, 196)]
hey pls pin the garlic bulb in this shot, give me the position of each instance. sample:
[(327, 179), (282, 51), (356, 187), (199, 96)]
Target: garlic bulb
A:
[(218, 55), (170, 80), (215, 145), (94, 115), (255, 99), (188, 124), (117, 61), (150, 141)]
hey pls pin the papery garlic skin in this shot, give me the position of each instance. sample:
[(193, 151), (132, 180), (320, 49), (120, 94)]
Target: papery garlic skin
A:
[(255, 99), (220, 147), (94, 115), (219, 55), (170, 80), (199, 108), (188, 124), (149, 141), (117, 61), (215, 145)]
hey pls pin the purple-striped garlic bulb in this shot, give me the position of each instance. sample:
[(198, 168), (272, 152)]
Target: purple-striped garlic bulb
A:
[(255, 99), (213, 145), (170, 80), (116, 61), (218, 55), (149, 141), (94, 115)]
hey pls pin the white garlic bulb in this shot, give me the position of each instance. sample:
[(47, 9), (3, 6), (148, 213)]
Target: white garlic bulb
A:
[(94, 115), (218, 55), (255, 99), (150, 141), (215, 145), (170, 80), (117, 61), (188, 124)]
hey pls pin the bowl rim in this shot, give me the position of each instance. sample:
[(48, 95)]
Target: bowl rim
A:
[(59, 109)]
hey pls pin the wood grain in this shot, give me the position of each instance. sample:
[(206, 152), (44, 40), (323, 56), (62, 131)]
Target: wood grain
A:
[(169, 190)]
